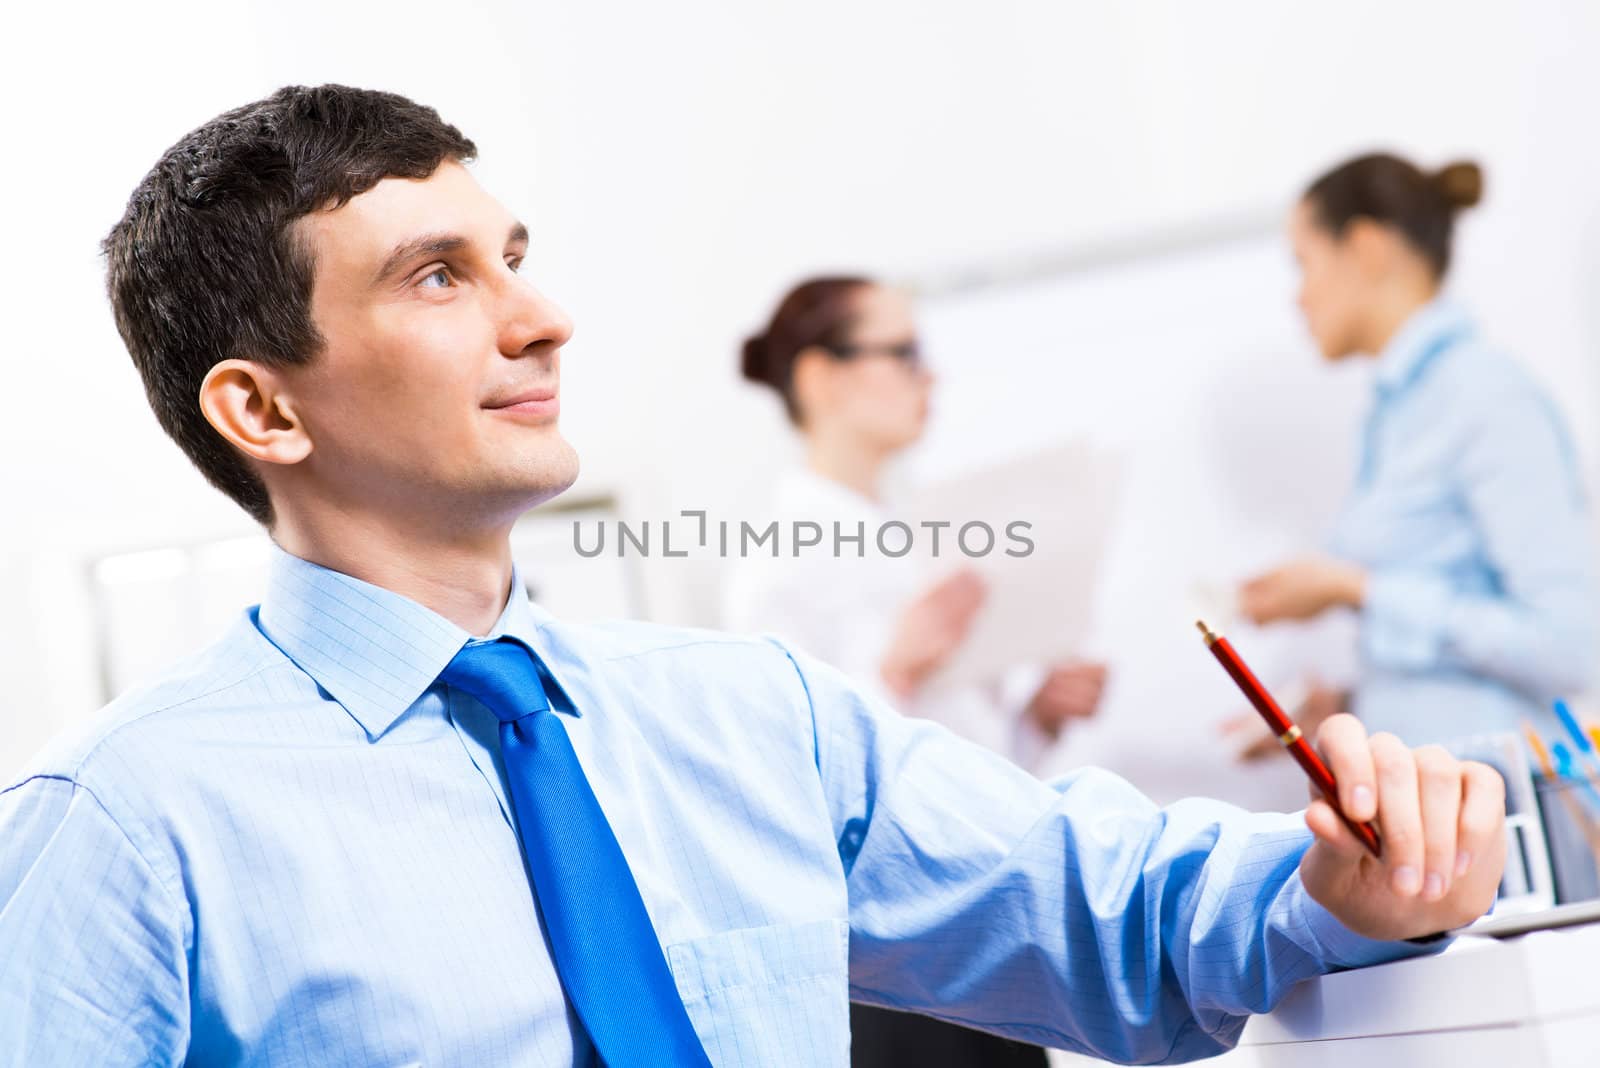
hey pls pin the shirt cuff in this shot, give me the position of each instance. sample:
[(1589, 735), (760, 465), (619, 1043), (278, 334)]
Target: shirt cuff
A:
[(1340, 947), (1403, 616)]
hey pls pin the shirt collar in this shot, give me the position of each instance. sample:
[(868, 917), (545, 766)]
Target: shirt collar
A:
[(375, 651), (1422, 336)]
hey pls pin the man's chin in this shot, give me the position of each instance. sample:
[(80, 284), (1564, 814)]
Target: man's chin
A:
[(548, 474)]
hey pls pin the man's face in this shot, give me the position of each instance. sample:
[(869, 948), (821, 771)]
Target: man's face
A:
[(435, 398)]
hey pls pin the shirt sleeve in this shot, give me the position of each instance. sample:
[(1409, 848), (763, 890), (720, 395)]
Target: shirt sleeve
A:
[(93, 968), (1536, 630), (1073, 914)]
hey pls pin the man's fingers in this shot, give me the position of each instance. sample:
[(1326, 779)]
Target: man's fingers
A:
[(1399, 813), (1328, 827), (1343, 742), (1483, 806), (1439, 786)]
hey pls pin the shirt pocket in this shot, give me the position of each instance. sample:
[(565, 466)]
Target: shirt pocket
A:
[(769, 995), (775, 956)]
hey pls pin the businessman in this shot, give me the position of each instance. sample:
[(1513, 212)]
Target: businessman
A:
[(399, 815)]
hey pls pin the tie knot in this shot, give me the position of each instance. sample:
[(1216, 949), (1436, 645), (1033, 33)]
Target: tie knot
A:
[(503, 674)]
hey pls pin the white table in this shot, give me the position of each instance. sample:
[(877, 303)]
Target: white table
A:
[(1527, 1002)]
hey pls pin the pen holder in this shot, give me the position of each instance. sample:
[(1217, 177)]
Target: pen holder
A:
[(1572, 833)]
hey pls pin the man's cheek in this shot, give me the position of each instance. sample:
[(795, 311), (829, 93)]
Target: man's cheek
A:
[(389, 374)]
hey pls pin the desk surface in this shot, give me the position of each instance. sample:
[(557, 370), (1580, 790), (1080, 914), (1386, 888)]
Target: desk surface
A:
[(1532, 998)]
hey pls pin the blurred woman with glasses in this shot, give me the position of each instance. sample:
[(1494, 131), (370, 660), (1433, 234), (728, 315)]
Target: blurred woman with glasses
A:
[(842, 354)]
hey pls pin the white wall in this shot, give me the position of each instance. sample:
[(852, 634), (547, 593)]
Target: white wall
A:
[(679, 164)]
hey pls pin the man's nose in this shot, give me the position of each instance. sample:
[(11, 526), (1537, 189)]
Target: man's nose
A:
[(531, 321)]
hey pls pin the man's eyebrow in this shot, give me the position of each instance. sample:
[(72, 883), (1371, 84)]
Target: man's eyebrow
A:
[(435, 244), (424, 245)]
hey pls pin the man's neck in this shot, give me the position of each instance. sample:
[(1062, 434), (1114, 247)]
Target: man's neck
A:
[(465, 580)]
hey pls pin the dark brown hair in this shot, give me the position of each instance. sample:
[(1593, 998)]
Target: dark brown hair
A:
[(818, 312), (204, 265), (1422, 206)]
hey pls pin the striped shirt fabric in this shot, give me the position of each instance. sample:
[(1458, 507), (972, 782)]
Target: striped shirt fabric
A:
[(296, 848)]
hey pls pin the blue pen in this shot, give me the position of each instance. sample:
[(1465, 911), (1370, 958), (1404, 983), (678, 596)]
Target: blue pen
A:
[(1579, 738), (1564, 765)]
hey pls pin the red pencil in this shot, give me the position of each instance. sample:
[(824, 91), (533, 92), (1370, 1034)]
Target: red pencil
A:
[(1287, 731)]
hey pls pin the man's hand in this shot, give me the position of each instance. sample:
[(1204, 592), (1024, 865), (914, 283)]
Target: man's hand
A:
[(1302, 589), (1070, 691), (1442, 822)]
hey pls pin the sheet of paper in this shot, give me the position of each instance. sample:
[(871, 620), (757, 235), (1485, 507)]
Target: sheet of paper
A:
[(1050, 513)]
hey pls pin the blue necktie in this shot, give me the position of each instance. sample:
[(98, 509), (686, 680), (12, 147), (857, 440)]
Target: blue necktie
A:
[(605, 948)]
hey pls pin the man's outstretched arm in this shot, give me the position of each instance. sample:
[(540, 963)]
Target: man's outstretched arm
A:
[(1078, 914)]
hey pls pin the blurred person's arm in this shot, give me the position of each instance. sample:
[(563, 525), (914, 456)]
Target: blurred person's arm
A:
[(1537, 630), (929, 631)]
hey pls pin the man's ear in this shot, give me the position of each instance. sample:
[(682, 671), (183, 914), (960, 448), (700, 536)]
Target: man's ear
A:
[(246, 403)]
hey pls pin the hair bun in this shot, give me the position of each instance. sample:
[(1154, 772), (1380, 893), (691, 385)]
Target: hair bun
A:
[(753, 358), (1460, 183)]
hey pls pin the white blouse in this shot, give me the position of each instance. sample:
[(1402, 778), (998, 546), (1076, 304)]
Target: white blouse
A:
[(844, 608)]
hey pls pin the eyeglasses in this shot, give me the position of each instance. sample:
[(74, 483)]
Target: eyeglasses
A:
[(907, 352)]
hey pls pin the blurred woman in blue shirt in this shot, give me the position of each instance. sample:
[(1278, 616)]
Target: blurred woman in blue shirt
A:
[(1464, 545)]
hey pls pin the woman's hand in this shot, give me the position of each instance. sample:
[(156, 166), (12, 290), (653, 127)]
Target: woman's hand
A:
[(1442, 823), (1302, 589), (1070, 691), (931, 628)]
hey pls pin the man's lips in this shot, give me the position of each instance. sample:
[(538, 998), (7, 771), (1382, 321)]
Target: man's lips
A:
[(541, 403)]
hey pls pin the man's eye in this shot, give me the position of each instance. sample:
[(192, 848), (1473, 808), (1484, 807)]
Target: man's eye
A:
[(442, 273)]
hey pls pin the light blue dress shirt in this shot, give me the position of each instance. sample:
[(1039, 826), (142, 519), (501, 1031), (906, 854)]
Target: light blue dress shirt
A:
[(1469, 515), (296, 849)]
